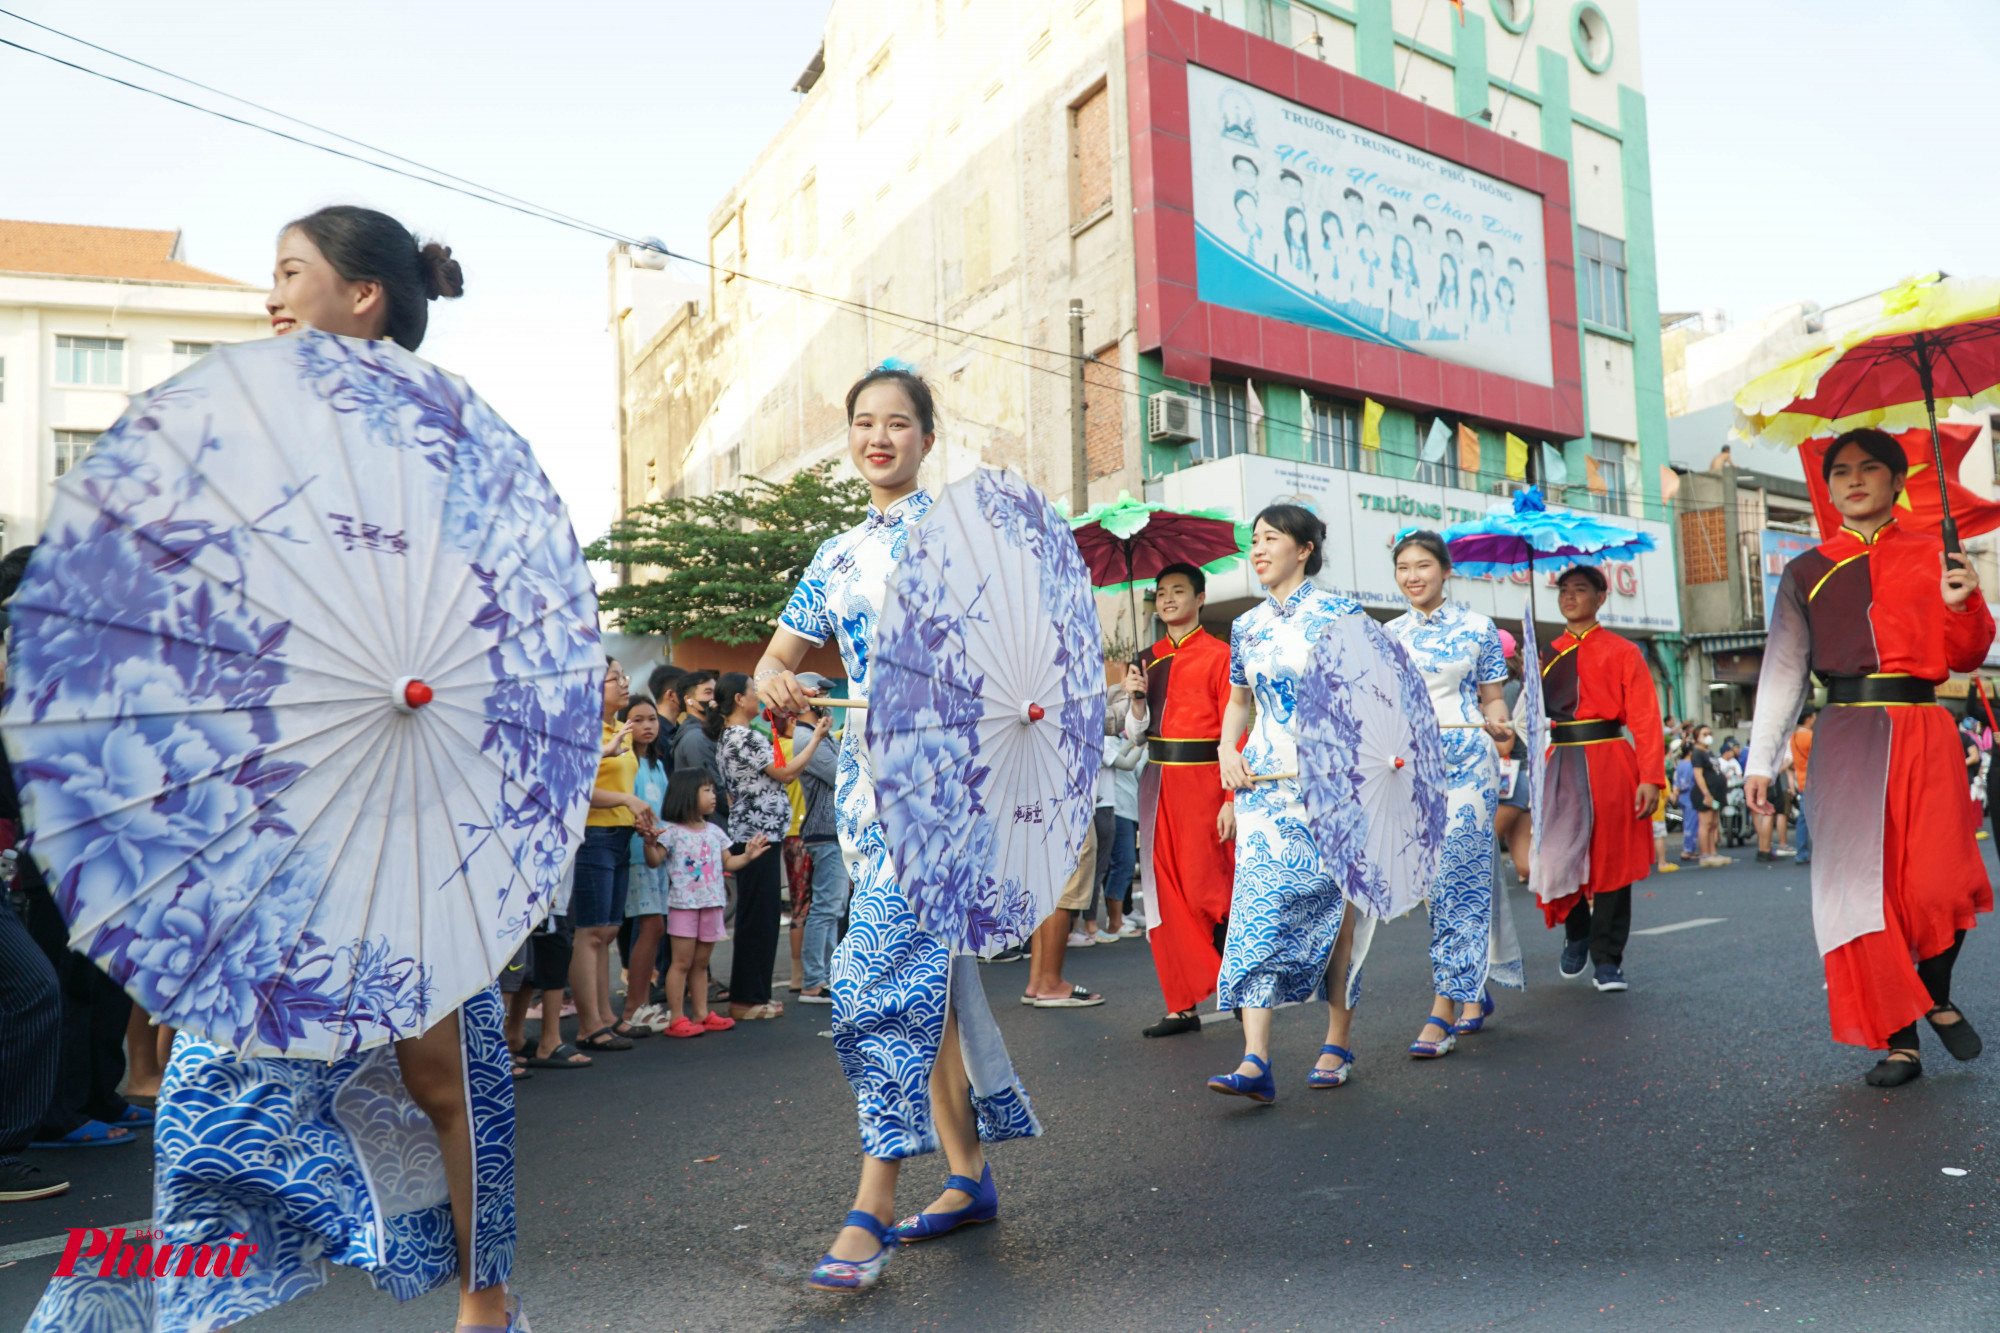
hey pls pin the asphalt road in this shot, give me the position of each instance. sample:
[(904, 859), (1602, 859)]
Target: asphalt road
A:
[(1693, 1154)]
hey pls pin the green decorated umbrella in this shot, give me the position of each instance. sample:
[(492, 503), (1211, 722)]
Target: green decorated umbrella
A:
[(1128, 542)]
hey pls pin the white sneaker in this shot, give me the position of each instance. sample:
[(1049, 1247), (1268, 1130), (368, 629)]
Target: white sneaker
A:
[(1135, 924), (1079, 940), (1127, 929), (1104, 937)]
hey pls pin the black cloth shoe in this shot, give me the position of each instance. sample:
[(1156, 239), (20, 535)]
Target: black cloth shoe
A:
[(1958, 1038), (1575, 958), (1173, 1025), (20, 1182), (1889, 1073)]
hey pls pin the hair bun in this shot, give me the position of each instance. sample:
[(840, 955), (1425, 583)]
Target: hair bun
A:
[(442, 275)]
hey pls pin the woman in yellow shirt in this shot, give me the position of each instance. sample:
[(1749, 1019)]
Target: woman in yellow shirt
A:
[(597, 885)]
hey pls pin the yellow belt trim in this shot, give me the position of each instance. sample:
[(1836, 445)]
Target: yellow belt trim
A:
[(1831, 572), (1604, 740)]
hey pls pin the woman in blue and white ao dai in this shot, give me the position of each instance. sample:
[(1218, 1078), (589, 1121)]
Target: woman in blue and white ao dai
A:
[(892, 980), (1286, 909), (1458, 650)]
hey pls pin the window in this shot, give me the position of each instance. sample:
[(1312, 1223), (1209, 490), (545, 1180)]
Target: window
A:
[(90, 360), (1225, 421), (874, 93), (1607, 491), (1601, 263), (71, 446), (186, 354), (1090, 156), (1334, 437)]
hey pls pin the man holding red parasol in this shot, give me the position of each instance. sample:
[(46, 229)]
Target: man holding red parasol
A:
[(1188, 822), (1881, 614)]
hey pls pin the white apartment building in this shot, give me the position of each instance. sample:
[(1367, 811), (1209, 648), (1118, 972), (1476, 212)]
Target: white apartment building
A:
[(88, 316)]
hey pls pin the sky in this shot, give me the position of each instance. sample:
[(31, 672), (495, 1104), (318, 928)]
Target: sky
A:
[(1800, 151)]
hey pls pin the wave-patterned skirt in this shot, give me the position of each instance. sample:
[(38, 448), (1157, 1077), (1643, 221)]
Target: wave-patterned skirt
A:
[(312, 1162), (892, 983)]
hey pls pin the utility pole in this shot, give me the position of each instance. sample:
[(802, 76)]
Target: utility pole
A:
[(1078, 438)]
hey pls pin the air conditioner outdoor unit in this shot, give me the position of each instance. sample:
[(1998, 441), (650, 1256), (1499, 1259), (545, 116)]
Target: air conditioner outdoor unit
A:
[(1170, 416)]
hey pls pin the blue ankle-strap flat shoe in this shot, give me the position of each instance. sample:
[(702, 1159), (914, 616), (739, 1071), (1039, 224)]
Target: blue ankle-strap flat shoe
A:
[(1260, 1088), (831, 1274), (1331, 1078), (1424, 1049), (985, 1207), (1477, 1021)]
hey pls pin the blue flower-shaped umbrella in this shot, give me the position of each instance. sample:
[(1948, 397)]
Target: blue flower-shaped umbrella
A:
[(303, 696), (1530, 534), (986, 712), (1371, 760)]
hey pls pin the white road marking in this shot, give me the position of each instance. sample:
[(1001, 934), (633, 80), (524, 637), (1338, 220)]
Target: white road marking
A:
[(31, 1249), (1682, 925)]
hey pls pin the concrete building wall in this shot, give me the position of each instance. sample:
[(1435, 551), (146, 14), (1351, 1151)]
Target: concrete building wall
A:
[(930, 174), (147, 317), (932, 171)]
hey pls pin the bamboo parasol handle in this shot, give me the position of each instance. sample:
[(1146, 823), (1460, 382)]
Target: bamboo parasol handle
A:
[(818, 702)]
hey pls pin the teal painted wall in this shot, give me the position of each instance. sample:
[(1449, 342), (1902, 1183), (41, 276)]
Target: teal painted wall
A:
[(1375, 41), (1643, 293), (1468, 51), (1558, 137)]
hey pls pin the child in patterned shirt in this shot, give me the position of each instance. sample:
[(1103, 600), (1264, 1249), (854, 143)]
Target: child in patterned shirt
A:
[(697, 855)]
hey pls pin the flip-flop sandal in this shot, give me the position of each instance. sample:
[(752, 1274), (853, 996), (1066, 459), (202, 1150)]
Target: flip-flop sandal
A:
[(604, 1039), (562, 1057), (90, 1134), (629, 1030), (521, 1074), (149, 1101), (1078, 998), (135, 1117)]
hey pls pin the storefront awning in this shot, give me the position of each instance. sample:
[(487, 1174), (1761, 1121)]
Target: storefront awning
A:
[(1727, 643)]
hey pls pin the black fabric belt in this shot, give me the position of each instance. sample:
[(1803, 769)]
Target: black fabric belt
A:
[(1182, 752), (1879, 690), (1585, 731)]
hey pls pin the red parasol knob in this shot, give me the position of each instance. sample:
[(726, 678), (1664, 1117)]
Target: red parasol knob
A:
[(416, 694), (1035, 713), (1399, 761)]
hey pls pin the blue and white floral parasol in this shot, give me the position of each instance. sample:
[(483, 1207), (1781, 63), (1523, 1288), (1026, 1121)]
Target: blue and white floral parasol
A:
[(303, 696), (986, 712), (1372, 766)]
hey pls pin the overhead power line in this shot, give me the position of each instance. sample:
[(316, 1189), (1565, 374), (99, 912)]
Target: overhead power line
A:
[(460, 185)]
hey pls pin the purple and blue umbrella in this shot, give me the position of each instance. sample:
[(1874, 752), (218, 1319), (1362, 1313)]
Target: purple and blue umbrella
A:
[(985, 722), (1376, 787), (1532, 534)]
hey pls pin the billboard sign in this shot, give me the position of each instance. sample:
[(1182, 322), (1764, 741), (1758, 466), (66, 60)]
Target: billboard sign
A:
[(1306, 218), (1779, 550)]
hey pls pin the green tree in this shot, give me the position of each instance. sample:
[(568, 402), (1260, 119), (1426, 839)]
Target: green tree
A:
[(728, 560)]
